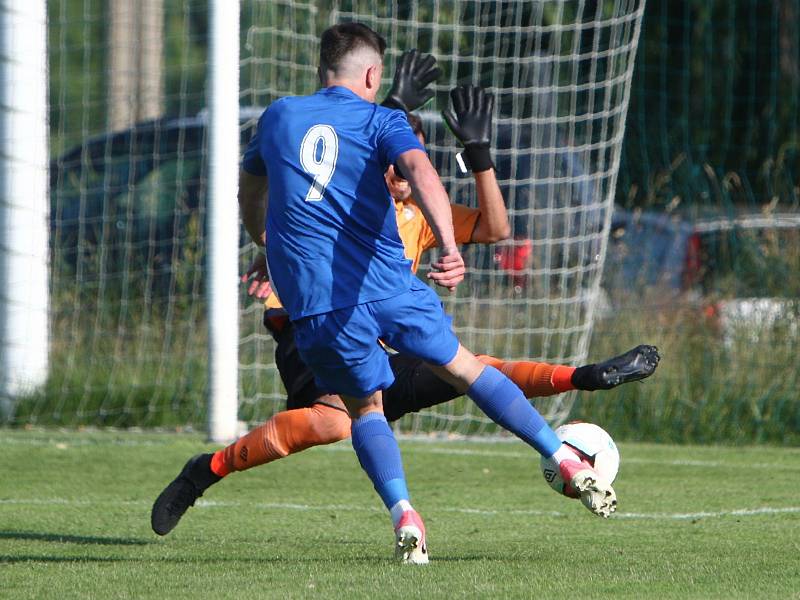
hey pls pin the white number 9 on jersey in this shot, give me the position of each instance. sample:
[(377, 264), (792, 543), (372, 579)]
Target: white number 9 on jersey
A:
[(321, 168)]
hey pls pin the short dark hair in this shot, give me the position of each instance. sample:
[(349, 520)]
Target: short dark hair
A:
[(340, 40), (416, 124)]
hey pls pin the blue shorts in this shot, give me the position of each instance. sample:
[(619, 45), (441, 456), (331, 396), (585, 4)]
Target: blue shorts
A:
[(341, 347)]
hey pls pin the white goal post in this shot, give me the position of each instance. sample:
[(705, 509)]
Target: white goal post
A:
[(223, 222), (24, 207)]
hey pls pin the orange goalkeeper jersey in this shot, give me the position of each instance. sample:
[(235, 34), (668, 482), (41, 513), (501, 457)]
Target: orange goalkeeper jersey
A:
[(416, 235)]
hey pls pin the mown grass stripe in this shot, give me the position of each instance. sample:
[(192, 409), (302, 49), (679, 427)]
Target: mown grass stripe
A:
[(739, 512)]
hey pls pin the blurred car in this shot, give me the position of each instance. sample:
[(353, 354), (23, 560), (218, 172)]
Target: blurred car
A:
[(128, 207), (742, 271)]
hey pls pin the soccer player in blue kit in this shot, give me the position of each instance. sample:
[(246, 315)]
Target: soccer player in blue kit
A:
[(338, 265)]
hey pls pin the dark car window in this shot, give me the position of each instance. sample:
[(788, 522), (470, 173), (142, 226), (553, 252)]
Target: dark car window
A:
[(128, 208), (122, 206)]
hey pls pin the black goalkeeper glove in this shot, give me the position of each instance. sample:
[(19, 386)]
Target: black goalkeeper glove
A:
[(411, 78), (471, 123)]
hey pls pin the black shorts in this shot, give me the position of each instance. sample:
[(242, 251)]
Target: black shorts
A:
[(415, 386)]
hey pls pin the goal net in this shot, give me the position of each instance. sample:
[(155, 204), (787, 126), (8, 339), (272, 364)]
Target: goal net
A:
[(561, 75), (129, 173)]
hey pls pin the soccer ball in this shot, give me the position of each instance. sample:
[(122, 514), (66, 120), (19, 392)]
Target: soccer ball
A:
[(594, 447)]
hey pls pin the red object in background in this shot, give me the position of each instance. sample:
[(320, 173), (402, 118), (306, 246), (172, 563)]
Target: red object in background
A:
[(514, 258), (692, 262)]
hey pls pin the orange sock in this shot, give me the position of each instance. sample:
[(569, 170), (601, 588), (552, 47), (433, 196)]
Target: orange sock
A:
[(533, 378), (286, 433)]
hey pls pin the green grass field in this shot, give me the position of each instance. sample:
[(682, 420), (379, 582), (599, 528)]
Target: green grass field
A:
[(693, 522)]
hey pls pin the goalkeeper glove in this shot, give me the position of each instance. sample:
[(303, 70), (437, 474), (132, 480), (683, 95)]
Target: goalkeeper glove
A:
[(470, 120), (411, 78)]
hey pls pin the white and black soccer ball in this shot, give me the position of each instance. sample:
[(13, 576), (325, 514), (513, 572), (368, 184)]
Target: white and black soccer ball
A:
[(594, 447)]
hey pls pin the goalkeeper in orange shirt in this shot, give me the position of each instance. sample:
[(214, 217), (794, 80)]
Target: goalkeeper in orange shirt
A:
[(314, 417)]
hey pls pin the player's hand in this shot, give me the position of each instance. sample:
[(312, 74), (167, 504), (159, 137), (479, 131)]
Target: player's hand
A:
[(258, 276), (411, 78), (449, 270), (470, 120)]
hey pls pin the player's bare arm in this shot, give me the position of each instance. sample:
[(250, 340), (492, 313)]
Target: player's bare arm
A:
[(253, 204), (470, 120), (492, 225), (253, 208)]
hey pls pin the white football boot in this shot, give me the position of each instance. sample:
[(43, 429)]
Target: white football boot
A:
[(410, 546), (582, 481)]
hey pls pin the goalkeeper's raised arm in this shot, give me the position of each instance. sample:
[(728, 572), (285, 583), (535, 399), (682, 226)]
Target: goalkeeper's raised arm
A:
[(470, 120)]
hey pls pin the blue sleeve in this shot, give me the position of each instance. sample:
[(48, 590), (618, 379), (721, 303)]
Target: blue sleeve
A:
[(395, 137), (252, 161)]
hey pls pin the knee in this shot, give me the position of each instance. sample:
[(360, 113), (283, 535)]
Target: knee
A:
[(329, 424), (462, 371), (358, 407)]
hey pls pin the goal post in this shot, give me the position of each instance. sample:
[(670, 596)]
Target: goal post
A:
[(223, 222), (24, 207)]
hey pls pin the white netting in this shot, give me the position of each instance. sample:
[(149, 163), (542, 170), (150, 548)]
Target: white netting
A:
[(561, 74)]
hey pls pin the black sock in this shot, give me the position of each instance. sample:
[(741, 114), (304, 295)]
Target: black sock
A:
[(586, 378), (200, 473)]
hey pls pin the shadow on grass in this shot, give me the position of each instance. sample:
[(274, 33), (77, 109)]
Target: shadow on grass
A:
[(189, 558), (355, 560), (10, 560), (71, 539)]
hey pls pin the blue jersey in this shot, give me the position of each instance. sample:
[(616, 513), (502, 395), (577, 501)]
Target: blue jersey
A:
[(332, 238)]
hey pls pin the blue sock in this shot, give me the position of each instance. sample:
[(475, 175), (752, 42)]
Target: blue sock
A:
[(505, 404), (379, 455)]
